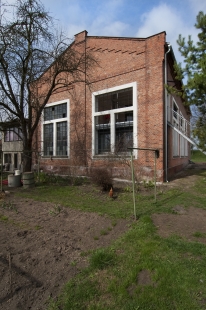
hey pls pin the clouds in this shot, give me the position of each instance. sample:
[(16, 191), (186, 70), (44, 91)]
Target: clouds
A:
[(197, 6), (133, 18), (129, 18), (160, 18), (165, 17), (97, 17)]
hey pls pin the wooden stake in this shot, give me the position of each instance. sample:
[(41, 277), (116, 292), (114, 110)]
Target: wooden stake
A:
[(10, 275)]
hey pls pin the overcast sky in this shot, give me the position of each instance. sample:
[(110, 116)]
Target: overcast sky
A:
[(127, 18)]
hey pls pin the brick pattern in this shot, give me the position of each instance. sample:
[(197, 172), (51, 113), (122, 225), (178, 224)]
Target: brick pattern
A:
[(119, 61)]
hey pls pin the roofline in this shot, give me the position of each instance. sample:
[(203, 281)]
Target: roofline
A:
[(126, 38)]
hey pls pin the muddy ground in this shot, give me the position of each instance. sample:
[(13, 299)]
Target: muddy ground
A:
[(42, 247)]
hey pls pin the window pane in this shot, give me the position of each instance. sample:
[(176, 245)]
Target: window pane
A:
[(114, 100), (20, 134), (175, 111), (48, 139), (15, 134), (125, 98), (7, 158), (55, 112), (175, 143), (11, 134), (102, 134), (61, 148), (123, 131), (6, 136)]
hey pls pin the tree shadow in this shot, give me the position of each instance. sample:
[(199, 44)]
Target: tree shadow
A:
[(33, 281)]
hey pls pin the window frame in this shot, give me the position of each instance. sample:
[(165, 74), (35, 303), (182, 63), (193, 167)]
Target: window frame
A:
[(175, 118), (183, 141), (13, 134), (54, 122), (112, 113)]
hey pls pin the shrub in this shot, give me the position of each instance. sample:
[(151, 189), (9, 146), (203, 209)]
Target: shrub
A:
[(77, 181), (102, 177)]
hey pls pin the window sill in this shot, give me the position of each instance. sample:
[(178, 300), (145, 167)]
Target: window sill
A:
[(115, 156), (54, 157)]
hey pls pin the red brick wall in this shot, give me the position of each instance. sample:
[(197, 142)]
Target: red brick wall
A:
[(120, 61)]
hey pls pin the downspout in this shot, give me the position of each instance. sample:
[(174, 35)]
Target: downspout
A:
[(85, 100), (166, 155)]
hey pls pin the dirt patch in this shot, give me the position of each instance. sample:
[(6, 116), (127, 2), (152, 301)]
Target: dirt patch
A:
[(186, 223), (42, 246)]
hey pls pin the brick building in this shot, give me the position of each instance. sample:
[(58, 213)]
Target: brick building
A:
[(124, 105), (12, 145)]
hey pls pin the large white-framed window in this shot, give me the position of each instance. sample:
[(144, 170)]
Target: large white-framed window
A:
[(114, 120), (55, 129)]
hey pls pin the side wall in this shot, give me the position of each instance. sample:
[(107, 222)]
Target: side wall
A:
[(178, 158)]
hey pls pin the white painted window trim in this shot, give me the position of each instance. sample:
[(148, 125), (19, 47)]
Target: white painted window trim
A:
[(113, 112), (175, 120), (55, 121)]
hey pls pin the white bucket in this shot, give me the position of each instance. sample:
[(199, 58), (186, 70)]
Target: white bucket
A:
[(17, 172)]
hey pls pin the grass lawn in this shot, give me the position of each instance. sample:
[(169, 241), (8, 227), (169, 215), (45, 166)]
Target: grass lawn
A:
[(197, 156), (141, 270)]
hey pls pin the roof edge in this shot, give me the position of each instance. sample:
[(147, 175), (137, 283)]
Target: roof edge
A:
[(84, 34)]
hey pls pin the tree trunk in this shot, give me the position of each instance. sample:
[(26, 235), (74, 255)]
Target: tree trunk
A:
[(27, 156)]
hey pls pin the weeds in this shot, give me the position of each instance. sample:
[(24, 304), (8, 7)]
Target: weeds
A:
[(8, 206), (37, 227), (103, 232), (148, 184), (128, 189), (51, 178), (199, 234), (73, 263), (4, 218), (78, 181), (114, 223), (55, 211)]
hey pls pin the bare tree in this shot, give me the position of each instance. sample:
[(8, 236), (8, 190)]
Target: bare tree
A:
[(35, 62)]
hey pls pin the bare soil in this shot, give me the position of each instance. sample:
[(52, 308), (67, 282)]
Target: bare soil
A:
[(42, 247), (187, 222)]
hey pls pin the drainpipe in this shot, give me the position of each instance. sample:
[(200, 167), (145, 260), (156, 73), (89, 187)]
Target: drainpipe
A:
[(166, 155)]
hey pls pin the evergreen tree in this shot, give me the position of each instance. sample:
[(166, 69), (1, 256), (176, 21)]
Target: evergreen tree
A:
[(195, 71)]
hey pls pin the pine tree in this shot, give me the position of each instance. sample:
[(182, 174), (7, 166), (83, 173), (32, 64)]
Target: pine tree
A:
[(195, 71)]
